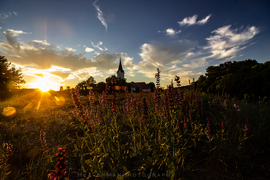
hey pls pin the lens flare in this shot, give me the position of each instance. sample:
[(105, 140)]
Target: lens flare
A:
[(60, 100), (9, 111)]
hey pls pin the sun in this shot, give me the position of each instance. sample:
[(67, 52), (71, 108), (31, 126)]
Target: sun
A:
[(43, 85)]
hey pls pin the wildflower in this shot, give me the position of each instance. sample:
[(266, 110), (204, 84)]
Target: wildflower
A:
[(208, 128), (145, 110), (139, 106), (157, 76), (126, 89), (177, 80), (43, 140), (114, 103), (165, 102), (9, 153), (51, 176), (245, 130), (78, 106), (180, 124), (170, 96), (91, 100), (185, 124), (60, 166), (222, 126), (190, 114)]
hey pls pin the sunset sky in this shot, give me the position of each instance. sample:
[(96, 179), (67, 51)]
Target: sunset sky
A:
[(63, 42)]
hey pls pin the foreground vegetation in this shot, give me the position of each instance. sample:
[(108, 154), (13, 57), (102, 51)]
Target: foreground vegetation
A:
[(173, 135)]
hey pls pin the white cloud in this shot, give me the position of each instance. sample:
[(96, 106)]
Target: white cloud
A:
[(203, 21), (87, 49), (44, 42), (45, 57), (163, 56), (100, 14), (172, 32), (14, 33), (70, 49), (15, 13), (226, 42), (188, 20), (192, 20)]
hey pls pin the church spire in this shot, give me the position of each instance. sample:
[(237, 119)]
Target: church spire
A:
[(120, 72), (120, 67)]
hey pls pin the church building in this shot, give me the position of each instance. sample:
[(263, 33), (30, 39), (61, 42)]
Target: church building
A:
[(135, 86)]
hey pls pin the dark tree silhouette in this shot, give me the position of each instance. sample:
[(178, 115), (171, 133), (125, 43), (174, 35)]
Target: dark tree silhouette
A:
[(10, 78), (152, 86), (239, 79), (90, 82), (119, 81), (101, 86)]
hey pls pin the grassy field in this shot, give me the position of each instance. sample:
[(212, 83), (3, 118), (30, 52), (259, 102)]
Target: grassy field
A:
[(176, 135)]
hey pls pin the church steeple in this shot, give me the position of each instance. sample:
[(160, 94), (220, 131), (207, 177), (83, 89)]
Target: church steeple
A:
[(120, 72)]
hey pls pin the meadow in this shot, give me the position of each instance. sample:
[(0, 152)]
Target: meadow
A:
[(175, 134)]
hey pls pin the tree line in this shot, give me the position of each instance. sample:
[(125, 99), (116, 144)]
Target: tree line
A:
[(90, 83), (246, 79)]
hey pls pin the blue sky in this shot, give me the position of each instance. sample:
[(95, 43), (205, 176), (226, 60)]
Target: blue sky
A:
[(66, 41)]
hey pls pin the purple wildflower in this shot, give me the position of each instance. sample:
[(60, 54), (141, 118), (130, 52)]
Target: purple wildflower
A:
[(222, 126), (180, 124), (139, 106), (60, 166), (177, 80), (145, 111), (43, 141), (185, 124), (245, 130), (170, 96), (78, 106), (208, 128), (190, 114)]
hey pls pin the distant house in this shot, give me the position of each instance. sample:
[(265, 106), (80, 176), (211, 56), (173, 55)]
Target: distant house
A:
[(139, 86)]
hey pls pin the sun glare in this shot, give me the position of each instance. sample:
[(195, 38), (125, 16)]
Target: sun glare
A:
[(44, 85)]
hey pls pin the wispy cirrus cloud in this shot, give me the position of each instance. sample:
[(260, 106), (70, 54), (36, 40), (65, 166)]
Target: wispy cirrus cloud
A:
[(100, 15), (192, 20), (6, 15), (98, 45)]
